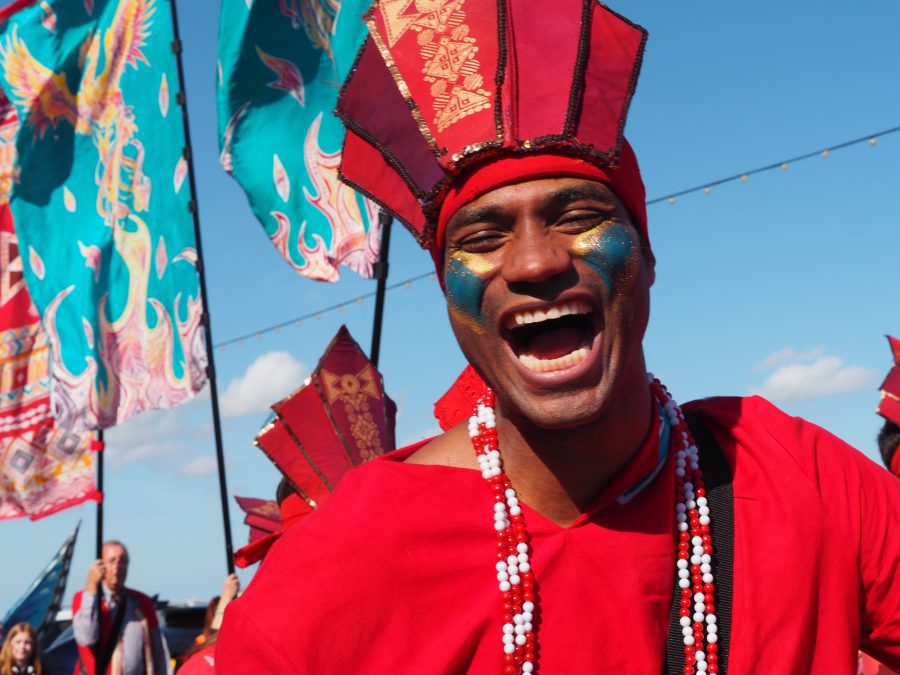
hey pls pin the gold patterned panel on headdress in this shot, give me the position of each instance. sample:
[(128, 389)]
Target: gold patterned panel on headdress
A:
[(448, 52), (354, 393), (431, 14), (348, 385), (268, 509)]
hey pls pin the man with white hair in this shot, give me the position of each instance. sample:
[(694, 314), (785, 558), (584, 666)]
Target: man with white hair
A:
[(116, 628)]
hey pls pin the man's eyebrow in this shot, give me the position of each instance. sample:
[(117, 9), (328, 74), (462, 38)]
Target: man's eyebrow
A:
[(567, 195), (487, 213)]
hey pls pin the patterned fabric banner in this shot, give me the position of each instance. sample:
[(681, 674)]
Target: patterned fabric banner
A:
[(100, 204), (43, 469), (280, 68)]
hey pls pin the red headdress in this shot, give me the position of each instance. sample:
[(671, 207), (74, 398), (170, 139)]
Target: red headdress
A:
[(889, 407), (340, 418), (446, 96)]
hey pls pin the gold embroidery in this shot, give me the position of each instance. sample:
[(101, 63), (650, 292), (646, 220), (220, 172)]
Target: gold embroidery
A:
[(269, 509), (401, 84), (354, 393), (448, 53), (428, 14)]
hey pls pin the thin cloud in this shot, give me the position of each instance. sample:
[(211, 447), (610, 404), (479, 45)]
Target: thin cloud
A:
[(823, 376), (268, 379), (157, 433), (789, 355), (200, 467)]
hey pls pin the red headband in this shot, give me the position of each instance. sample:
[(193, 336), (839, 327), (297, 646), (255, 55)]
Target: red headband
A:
[(624, 179)]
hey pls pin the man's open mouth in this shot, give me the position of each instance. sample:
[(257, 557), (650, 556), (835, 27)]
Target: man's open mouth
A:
[(553, 338)]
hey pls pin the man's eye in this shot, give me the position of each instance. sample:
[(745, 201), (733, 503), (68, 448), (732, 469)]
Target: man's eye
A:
[(480, 242), (581, 222)]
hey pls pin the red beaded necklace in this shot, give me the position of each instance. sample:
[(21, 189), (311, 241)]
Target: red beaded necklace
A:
[(693, 561)]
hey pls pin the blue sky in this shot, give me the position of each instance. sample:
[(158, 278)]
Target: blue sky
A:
[(784, 284)]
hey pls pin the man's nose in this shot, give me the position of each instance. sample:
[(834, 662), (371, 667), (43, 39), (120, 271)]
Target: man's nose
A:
[(534, 255)]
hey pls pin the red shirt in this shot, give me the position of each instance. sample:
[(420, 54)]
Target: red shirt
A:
[(394, 574)]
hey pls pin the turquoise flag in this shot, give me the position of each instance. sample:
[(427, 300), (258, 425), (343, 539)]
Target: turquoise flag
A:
[(101, 204), (280, 68)]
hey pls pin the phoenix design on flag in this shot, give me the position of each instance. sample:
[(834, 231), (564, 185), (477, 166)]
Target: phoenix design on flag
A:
[(120, 341), (289, 78), (99, 110)]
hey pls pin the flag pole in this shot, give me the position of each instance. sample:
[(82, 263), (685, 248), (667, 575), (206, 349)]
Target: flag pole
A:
[(207, 324), (380, 272), (99, 448)]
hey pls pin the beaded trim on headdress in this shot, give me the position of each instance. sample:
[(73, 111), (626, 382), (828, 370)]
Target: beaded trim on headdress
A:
[(440, 86)]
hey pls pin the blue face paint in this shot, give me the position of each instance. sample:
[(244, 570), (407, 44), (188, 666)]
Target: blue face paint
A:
[(465, 287), (610, 250)]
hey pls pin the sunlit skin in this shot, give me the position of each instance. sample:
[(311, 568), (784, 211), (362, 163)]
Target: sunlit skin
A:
[(21, 649), (111, 568), (540, 243), (115, 563)]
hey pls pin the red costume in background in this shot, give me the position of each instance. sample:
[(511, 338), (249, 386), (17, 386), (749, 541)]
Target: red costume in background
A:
[(87, 654), (389, 575)]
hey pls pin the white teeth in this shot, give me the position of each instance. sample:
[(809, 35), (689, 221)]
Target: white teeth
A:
[(551, 365), (555, 312)]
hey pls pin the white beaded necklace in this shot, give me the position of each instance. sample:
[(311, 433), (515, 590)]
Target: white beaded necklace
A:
[(693, 557)]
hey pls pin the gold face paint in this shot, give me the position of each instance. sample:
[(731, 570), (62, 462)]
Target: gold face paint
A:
[(611, 250), (464, 284)]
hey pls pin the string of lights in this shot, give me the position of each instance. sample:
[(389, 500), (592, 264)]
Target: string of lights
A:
[(784, 165), (706, 188), (319, 313)]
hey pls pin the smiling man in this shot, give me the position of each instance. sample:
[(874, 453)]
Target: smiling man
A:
[(572, 518)]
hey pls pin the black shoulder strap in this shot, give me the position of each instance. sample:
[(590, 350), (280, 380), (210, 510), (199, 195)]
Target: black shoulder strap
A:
[(717, 478)]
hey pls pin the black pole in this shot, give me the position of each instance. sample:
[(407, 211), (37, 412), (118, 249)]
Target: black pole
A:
[(380, 272), (100, 450), (207, 324)]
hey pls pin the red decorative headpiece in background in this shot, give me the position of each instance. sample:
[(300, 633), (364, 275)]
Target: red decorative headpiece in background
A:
[(340, 418), (442, 85), (889, 407)]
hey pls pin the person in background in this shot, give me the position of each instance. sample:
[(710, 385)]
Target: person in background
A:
[(115, 627), (20, 654), (201, 658), (888, 443)]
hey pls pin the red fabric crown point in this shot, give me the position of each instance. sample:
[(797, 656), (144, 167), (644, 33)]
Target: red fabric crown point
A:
[(889, 406), (444, 86)]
